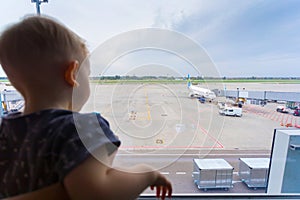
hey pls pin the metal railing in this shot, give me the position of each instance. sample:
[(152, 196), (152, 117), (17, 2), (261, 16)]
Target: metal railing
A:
[(223, 196)]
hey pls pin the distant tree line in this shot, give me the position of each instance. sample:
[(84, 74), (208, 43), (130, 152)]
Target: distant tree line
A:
[(118, 77)]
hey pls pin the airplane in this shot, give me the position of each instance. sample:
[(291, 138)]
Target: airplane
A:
[(197, 91)]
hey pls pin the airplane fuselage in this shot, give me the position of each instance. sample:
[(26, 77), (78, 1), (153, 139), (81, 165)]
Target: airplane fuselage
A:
[(197, 91)]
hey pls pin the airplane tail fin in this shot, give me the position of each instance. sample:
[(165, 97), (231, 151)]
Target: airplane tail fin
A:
[(188, 81)]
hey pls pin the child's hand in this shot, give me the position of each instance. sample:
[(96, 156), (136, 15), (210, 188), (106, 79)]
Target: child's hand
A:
[(163, 186)]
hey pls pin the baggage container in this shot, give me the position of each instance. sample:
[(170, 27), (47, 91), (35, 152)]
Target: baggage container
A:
[(212, 173), (254, 172)]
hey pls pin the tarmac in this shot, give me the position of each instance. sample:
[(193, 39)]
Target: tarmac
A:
[(160, 125)]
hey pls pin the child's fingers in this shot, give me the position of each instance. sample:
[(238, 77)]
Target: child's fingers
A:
[(158, 191), (164, 191), (169, 191)]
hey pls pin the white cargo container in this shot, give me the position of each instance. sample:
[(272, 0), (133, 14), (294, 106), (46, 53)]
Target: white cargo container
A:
[(254, 171), (212, 173)]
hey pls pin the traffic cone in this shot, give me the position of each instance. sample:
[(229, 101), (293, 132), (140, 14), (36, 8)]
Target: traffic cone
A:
[(296, 125)]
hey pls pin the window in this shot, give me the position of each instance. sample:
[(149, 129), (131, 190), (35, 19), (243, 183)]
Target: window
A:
[(148, 81)]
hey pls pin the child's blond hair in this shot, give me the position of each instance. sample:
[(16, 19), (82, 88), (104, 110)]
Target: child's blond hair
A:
[(38, 41)]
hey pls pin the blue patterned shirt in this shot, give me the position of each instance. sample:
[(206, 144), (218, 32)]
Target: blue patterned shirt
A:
[(40, 149)]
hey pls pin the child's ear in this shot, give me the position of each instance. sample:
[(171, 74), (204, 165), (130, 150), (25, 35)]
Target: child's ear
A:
[(71, 73)]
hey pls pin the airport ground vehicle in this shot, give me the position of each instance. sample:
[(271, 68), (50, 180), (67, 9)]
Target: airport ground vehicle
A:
[(282, 109), (201, 99), (296, 112), (231, 111)]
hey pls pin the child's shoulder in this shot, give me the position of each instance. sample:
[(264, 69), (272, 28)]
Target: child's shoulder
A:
[(53, 123), (53, 116), (60, 127)]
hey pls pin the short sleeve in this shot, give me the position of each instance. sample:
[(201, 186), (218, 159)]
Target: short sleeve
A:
[(82, 135)]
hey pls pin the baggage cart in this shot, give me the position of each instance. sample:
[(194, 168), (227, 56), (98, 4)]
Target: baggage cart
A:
[(212, 173), (254, 172)]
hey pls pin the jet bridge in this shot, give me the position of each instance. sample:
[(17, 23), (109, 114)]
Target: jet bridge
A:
[(263, 96)]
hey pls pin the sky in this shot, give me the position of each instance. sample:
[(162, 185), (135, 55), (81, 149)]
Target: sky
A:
[(240, 38)]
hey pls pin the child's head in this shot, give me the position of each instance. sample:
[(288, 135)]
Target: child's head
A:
[(37, 52)]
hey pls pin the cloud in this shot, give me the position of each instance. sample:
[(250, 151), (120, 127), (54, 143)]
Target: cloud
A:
[(231, 31), (237, 36), (151, 45)]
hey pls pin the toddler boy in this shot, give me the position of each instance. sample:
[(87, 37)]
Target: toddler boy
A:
[(41, 146)]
